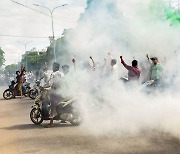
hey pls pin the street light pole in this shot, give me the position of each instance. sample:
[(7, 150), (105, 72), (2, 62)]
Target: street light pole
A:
[(25, 46), (52, 22)]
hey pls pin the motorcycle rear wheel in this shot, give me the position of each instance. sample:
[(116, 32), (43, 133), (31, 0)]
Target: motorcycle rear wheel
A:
[(8, 94), (77, 120), (36, 116)]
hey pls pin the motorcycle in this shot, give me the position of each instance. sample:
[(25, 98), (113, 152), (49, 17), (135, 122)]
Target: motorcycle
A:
[(66, 110), (33, 93), (12, 91)]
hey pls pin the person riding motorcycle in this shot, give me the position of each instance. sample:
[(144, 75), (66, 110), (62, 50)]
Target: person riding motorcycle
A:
[(55, 97), (19, 81)]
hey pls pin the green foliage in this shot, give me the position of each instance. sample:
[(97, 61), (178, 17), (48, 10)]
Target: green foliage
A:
[(2, 59), (11, 69), (35, 60), (62, 50), (49, 54)]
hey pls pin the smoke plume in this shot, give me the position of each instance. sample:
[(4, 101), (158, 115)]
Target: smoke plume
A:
[(131, 28)]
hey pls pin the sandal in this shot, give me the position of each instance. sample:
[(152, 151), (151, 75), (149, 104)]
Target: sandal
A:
[(49, 126)]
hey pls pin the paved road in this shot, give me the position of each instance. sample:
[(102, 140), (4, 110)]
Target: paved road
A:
[(19, 135)]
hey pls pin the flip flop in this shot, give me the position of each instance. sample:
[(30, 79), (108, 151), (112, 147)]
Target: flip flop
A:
[(49, 126)]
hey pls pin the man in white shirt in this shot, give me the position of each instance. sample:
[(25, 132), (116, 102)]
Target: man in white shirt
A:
[(55, 84)]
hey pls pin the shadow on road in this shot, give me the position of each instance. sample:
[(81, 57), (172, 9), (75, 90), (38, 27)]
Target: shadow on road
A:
[(33, 126), (23, 127)]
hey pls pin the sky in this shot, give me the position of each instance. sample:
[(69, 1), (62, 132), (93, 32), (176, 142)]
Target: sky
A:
[(17, 20)]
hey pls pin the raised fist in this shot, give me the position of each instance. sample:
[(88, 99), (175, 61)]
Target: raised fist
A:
[(73, 60)]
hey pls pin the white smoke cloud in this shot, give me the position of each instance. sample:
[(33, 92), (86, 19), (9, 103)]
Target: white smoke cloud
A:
[(130, 28)]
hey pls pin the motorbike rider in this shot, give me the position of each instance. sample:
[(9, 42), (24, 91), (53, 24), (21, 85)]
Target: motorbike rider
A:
[(24, 79), (133, 71), (55, 97), (156, 71), (19, 81)]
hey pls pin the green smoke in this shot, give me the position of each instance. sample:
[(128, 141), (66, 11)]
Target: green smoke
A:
[(173, 16)]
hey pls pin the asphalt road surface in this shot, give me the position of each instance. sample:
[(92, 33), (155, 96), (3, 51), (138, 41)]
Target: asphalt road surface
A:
[(19, 135)]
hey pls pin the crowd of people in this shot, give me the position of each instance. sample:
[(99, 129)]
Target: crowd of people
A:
[(108, 69)]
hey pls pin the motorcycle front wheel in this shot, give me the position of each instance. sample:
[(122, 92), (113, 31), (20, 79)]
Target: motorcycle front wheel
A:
[(36, 116), (8, 94), (33, 93)]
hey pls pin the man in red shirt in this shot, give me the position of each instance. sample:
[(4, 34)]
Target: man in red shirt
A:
[(133, 71)]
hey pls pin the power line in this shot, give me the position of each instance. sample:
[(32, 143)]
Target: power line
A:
[(65, 19), (38, 37)]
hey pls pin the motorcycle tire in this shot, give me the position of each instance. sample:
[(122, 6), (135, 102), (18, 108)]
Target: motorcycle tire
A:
[(36, 116), (33, 93), (8, 94), (77, 120)]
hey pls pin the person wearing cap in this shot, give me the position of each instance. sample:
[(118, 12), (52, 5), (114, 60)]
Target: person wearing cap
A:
[(133, 71), (156, 71)]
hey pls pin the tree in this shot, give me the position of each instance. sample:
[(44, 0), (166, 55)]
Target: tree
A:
[(35, 60), (2, 59), (11, 69), (62, 50), (49, 54)]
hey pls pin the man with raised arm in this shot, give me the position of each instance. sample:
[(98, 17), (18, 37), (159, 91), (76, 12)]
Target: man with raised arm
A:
[(133, 71), (156, 71)]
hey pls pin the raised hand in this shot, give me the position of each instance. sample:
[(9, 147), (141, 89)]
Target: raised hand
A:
[(147, 56), (73, 60)]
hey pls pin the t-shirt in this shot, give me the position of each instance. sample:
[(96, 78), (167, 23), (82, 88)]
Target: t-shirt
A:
[(156, 71), (46, 77), (55, 79), (133, 72), (114, 72)]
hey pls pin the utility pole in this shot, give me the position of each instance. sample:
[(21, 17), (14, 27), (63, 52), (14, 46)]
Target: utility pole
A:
[(52, 23)]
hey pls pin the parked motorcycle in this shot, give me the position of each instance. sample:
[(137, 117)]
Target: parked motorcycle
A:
[(33, 93), (12, 92), (66, 110)]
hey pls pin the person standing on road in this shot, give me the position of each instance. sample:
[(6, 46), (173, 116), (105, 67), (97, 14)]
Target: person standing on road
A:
[(133, 71), (156, 71)]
